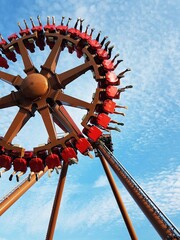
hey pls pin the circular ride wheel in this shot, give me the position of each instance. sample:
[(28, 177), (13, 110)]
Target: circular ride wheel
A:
[(42, 91)]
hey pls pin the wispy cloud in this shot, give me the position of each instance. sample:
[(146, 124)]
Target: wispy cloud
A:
[(101, 182), (101, 206), (147, 37), (164, 184)]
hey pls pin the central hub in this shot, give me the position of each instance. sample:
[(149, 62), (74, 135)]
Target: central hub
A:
[(34, 85)]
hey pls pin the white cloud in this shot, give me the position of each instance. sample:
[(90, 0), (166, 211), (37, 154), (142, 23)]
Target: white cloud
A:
[(165, 184), (102, 207), (148, 41), (101, 182)]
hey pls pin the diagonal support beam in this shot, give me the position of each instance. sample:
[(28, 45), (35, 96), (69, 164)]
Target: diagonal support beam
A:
[(158, 219), (119, 200), (57, 201), (10, 199)]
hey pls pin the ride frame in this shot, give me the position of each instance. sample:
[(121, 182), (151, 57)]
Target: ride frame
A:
[(43, 91)]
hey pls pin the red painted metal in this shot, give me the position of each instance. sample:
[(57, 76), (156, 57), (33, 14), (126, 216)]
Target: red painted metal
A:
[(103, 120), (94, 133), (52, 161), (68, 153), (3, 62), (5, 161), (36, 165), (45, 94), (83, 145), (112, 92), (111, 78), (109, 106), (20, 164)]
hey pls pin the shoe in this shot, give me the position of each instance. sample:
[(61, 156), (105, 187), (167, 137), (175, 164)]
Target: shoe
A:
[(0, 174), (29, 177), (73, 160), (56, 170), (17, 178), (10, 178), (37, 177), (49, 172), (117, 129), (122, 124)]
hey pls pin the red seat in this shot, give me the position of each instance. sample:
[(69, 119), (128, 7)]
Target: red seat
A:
[(10, 55), (62, 28), (42, 154), (112, 92), (112, 79), (36, 164), (74, 32), (83, 145), (103, 120), (102, 54), (108, 65), (25, 32), (20, 164), (68, 153), (94, 133), (51, 28), (2, 42), (12, 37), (109, 106), (3, 62), (28, 154), (56, 150), (84, 36), (2, 150), (52, 161), (78, 51), (5, 161), (94, 44), (37, 29)]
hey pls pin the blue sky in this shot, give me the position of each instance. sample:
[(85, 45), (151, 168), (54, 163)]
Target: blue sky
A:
[(146, 34)]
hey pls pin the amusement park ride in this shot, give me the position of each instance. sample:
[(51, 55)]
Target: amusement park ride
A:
[(43, 91)]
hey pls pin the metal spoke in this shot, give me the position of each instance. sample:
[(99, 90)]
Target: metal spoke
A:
[(9, 100), (67, 77), (11, 79), (19, 121), (51, 61), (29, 67), (48, 122), (72, 101), (62, 118)]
